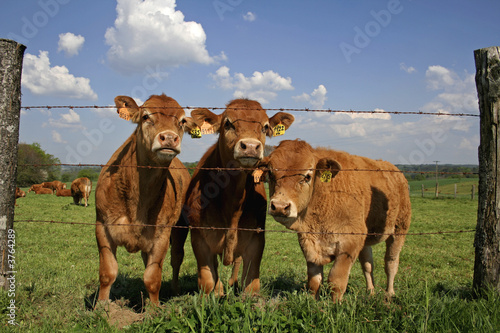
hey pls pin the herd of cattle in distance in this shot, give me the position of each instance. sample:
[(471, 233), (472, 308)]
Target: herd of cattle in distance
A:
[(80, 190), (144, 191)]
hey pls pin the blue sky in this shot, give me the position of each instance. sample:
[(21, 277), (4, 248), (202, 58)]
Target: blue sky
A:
[(390, 55)]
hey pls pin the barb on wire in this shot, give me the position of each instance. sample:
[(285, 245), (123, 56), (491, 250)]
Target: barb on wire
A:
[(48, 107), (258, 230), (243, 169)]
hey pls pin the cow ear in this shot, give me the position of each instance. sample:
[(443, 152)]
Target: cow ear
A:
[(282, 118), (127, 108), (327, 169), (260, 173), (208, 121), (188, 124)]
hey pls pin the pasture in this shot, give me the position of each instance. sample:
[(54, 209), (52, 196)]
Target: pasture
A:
[(57, 282)]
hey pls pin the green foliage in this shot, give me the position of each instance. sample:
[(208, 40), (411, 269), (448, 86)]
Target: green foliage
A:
[(34, 165), (57, 281)]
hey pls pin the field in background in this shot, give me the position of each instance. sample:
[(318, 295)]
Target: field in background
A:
[(446, 187), (57, 281)]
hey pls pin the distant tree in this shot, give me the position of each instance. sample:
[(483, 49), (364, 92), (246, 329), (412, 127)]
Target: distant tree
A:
[(35, 165), (91, 174)]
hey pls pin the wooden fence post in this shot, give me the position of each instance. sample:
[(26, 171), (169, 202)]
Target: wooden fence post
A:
[(455, 192), (11, 62), (487, 239), (423, 190), (473, 192)]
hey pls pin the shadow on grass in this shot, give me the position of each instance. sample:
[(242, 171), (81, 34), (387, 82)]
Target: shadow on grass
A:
[(132, 292)]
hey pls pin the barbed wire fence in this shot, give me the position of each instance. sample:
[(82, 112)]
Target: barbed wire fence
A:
[(485, 237)]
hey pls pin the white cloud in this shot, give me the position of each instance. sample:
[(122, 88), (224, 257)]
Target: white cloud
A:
[(407, 69), (249, 16), (56, 136), (260, 86), (69, 120), (41, 79), (152, 32), (317, 98), (458, 95), (70, 44)]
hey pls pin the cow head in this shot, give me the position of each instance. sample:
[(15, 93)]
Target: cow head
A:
[(242, 129), (161, 123), (294, 170)]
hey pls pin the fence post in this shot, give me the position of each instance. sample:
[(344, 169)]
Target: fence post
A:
[(455, 192), (487, 239), (11, 62), (423, 190), (473, 192)]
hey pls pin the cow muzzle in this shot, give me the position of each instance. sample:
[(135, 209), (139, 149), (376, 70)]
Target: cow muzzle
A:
[(167, 144), (283, 211), (248, 152)]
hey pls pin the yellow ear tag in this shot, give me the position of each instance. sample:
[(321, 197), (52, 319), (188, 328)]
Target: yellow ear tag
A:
[(326, 176), (257, 174), (206, 128), (195, 133), (124, 114), (279, 130)]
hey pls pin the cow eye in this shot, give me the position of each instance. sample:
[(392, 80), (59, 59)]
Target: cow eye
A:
[(265, 128), (228, 125), (145, 117), (307, 179), (182, 122)]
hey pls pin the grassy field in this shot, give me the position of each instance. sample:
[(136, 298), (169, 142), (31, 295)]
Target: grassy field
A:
[(446, 187), (57, 281)]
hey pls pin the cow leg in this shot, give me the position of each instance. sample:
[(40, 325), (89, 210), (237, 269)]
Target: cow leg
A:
[(366, 261), (177, 240), (339, 275), (314, 278), (108, 266), (152, 274), (394, 245), (233, 281), (251, 263), (208, 278)]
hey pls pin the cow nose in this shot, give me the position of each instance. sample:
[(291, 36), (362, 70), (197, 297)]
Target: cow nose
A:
[(168, 139), (279, 208), (250, 147)]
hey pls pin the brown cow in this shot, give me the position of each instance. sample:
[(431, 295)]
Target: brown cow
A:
[(229, 198), (54, 185), (43, 190), (19, 194), (62, 192), (343, 210), (80, 189), (137, 206), (34, 187)]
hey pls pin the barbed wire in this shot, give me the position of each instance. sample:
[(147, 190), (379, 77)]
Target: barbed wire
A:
[(49, 107), (257, 230), (240, 169)]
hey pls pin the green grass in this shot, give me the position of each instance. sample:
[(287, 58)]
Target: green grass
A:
[(57, 282), (446, 187)]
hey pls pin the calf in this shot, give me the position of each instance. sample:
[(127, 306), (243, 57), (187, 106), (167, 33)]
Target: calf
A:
[(19, 194), (43, 190), (54, 185), (62, 192), (34, 187), (333, 217), (229, 199), (80, 189), (139, 194)]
